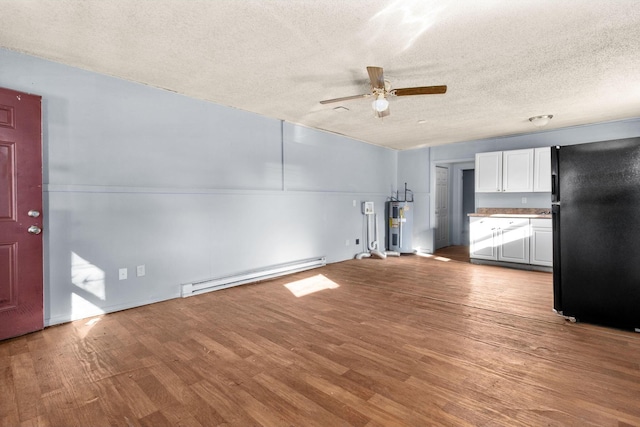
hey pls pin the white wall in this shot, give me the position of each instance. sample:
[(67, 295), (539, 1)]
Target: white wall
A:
[(136, 175), (413, 169)]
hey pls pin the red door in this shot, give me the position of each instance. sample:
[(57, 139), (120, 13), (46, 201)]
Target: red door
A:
[(20, 214)]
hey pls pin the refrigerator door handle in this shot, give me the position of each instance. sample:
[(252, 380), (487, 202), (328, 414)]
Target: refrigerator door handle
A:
[(555, 174), (557, 272)]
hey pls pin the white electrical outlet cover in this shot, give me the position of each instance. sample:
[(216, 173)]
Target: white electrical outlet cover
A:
[(122, 274), (140, 270)]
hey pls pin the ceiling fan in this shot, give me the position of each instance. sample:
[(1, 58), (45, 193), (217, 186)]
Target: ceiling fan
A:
[(381, 89)]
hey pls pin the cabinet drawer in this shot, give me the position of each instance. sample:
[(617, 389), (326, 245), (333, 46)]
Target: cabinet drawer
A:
[(541, 222), (514, 222)]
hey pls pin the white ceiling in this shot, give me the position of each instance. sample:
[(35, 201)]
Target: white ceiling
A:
[(503, 61)]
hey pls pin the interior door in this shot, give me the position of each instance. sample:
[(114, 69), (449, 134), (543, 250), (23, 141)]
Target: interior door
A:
[(21, 304), (442, 207)]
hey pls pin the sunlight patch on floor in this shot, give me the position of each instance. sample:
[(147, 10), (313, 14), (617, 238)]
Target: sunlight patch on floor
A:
[(438, 258), (93, 321), (311, 285), (81, 308), (424, 255)]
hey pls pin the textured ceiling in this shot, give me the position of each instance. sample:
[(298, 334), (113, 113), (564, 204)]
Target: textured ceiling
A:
[(503, 61)]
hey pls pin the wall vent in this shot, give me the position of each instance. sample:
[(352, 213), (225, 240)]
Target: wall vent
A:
[(216, 284)]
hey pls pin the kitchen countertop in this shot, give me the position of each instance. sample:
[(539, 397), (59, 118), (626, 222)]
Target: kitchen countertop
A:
[(512, 213)]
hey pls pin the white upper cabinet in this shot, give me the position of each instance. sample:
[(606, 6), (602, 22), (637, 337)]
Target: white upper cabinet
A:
[(517, 171), (489, 172), (504, 171), (542, 169), (514, 171)]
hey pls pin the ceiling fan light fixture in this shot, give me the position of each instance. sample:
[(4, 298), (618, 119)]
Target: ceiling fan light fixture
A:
[(380, 104), (541, 121), (381, 88)]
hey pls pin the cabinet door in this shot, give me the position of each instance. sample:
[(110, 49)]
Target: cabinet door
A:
[(489, 172), (541, 243), (514, 241), (482, 236), (517, 171), (542, 169)]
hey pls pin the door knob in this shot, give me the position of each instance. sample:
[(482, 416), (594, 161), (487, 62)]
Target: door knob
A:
[(33, 213), (34, 229)]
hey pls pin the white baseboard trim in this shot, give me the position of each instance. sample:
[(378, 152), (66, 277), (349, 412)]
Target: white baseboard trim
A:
[(196, 288)]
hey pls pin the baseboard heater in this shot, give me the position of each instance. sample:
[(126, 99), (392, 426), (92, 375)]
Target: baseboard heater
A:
[(196, 288)]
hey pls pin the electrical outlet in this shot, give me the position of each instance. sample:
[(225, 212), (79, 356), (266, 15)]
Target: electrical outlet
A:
[(122, 274), (524, 200), (354, 203), (140, 270)]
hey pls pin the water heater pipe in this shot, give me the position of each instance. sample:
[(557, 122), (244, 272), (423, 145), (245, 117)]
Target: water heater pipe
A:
[(379, 254), (373, 243), (372, 240)]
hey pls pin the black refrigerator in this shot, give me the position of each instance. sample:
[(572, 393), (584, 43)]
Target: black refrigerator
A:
[(596, 232)]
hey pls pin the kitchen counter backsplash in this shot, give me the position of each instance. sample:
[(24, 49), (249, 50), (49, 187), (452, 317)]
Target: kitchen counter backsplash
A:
[(534, 212)]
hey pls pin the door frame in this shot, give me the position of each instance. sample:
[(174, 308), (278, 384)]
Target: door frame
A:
[(455, 196)]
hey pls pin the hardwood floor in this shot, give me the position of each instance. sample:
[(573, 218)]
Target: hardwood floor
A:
[(457, 253), (414, 340)]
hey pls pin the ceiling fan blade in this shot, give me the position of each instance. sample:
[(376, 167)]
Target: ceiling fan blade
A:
[(376, 75), (423, 90), (345, 98)]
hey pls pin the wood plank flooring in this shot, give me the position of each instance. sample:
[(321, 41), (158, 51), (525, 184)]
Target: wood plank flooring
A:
[(409, 341)]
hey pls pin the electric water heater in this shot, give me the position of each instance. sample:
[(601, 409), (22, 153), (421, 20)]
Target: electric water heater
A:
[(400, 226)]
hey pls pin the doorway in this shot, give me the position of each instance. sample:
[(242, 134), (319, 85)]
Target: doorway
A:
[(468, 202), (457, 215), (442, 207)]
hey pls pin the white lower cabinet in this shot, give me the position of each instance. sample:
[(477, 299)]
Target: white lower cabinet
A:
[(541, 242), (483, 238), (512, 240)]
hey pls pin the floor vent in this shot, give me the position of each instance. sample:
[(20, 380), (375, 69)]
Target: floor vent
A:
[(196, 288)]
